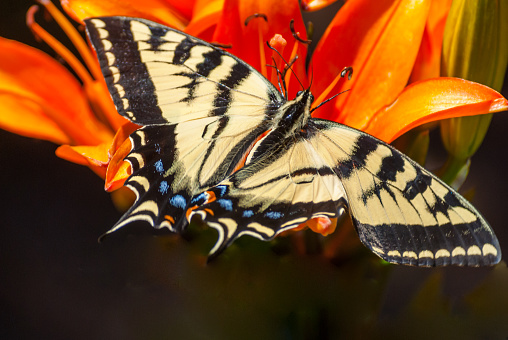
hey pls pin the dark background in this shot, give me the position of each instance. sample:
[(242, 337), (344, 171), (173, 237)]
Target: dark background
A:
[(57, 282)]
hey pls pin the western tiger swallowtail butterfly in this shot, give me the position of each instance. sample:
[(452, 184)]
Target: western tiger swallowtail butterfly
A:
[(203, 111)]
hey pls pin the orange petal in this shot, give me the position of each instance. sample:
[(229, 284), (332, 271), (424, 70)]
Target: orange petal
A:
[(118, 169), (155, 10), (249, 41), (434, 99), (380, 40), (205, 16), (121, 135), (428, 60), (25, 117), (41, 99), (84, 154), (95, 157), (185, 8)]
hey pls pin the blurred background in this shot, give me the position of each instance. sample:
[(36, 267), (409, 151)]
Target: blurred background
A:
[(58, 282)]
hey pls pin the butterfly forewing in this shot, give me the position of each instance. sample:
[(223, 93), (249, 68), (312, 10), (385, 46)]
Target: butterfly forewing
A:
[(405, 214), (159, 75)]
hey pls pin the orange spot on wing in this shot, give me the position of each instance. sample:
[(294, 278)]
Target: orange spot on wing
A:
[(169, 218), (211, 198)]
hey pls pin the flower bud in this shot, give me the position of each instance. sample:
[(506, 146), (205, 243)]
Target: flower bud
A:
[(475, 47)]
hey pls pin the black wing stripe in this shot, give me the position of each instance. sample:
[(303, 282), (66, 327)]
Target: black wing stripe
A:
[(120, 75)]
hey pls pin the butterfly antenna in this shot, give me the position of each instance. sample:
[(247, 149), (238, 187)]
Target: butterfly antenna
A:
[(326, 101), (288, 65), (284, 93)]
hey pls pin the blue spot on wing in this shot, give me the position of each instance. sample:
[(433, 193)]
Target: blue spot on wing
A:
[(202, 196), (248, 213), (222, 189), (274, 215), (226, 204), (178, 201), (163, 187), (159, 167)]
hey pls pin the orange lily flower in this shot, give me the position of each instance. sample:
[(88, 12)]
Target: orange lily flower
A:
[(382, 48)]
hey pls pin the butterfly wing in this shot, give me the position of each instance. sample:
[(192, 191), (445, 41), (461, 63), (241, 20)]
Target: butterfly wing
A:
[(201, 109), (158, 75), (401, 211)]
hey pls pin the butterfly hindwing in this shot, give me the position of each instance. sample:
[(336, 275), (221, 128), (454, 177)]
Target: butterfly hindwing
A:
[(288, 183), (202, 109), (401, 211)]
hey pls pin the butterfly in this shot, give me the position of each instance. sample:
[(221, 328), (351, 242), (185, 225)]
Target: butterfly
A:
[(219, 141)]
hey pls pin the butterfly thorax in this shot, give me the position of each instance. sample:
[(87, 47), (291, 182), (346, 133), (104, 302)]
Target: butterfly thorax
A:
[(294, 114)]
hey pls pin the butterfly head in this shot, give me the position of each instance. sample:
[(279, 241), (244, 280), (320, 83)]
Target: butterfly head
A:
[(296, 112)]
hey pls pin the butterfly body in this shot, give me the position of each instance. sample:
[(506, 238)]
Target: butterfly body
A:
[(221, 142)]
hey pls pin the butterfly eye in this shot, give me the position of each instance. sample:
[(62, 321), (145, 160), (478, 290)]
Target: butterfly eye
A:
[(299, 93)]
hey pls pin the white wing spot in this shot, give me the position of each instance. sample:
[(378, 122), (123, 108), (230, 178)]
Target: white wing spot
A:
[(120, 90), (410, 254), (103, 34), (110, 57), (98, 23), (474, 250), (458, 251), (125, 103), (489, 249), (107, 44), (442, 253), (116, 73), (394, 253), (426, 253)]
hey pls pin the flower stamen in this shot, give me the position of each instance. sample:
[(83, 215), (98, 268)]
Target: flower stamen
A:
[(74, 37), (91, 77), (297, 35), (255, 15), (57, 46)]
